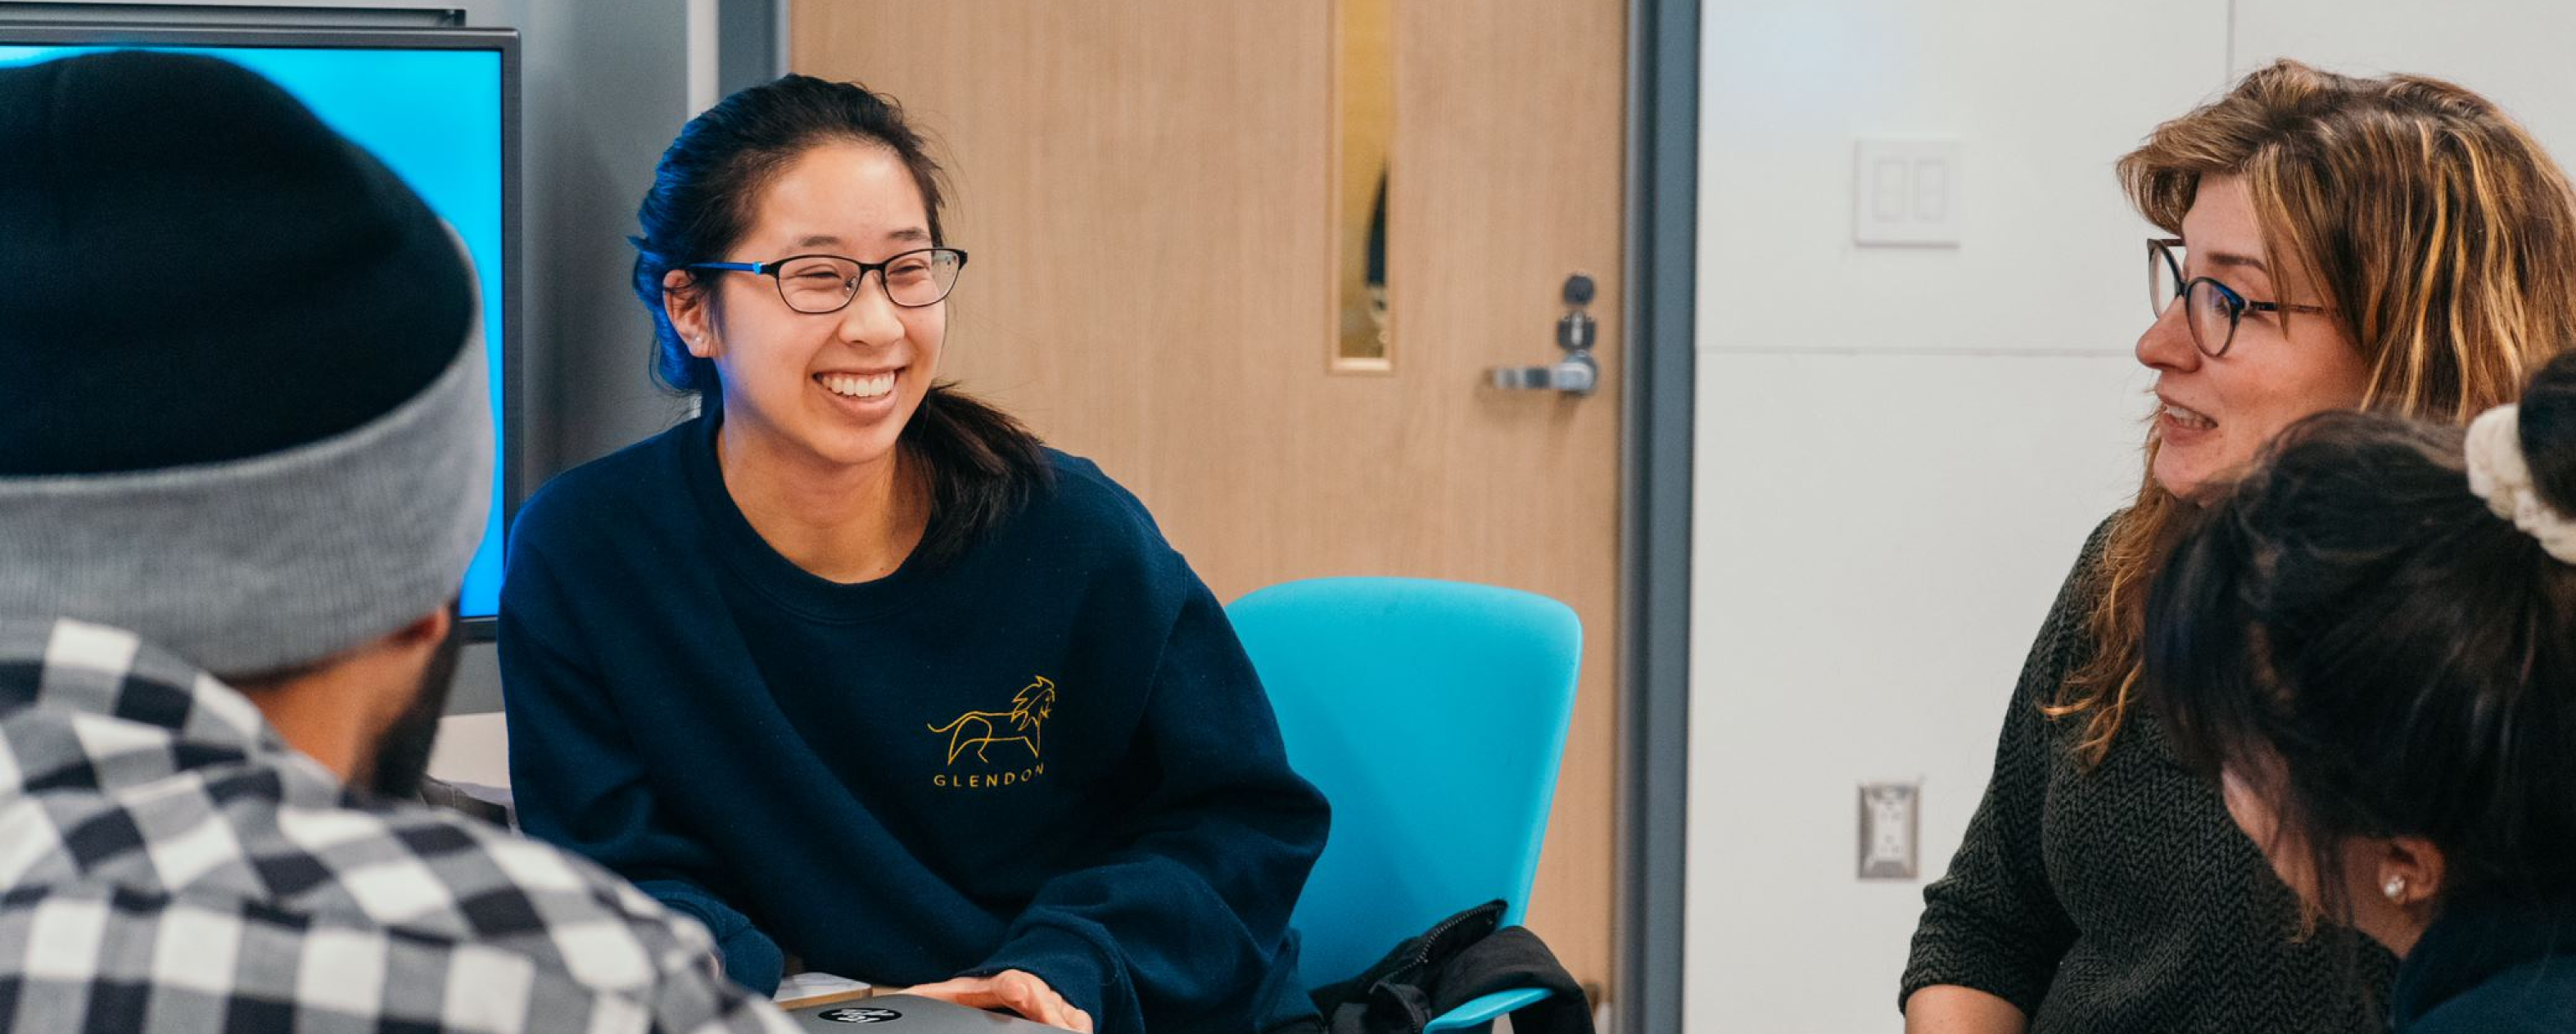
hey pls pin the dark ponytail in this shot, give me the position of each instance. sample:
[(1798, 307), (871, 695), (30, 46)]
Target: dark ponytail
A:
[(2356, 635), (980, 463), (2548, 432)]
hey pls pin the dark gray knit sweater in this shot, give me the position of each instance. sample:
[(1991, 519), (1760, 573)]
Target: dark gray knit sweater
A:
[(2122, 898)]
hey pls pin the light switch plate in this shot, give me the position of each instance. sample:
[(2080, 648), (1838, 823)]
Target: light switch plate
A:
[(1890, 820), (1906, 193)]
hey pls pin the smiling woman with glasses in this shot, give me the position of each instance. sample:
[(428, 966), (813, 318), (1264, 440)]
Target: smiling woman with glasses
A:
[(2329, 243), (855, 671)]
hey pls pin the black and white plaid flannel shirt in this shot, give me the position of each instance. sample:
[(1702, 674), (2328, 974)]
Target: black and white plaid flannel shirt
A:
[(170, 865)]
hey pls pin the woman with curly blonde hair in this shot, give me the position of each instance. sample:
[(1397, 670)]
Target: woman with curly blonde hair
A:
[(2329, 242)]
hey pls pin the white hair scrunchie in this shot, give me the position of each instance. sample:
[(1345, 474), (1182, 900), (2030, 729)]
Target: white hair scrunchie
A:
[(2499, 475)]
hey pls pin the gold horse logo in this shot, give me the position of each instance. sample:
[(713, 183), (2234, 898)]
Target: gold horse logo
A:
[(977, 730)]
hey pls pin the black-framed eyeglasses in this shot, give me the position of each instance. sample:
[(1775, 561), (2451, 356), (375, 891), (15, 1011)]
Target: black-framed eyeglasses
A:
[(2212, 309), (818, 284)]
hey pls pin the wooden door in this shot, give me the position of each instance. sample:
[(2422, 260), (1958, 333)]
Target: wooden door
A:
[(1146, 188)]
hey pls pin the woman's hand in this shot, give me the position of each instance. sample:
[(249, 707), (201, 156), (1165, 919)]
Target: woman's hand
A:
[(1011, 989)]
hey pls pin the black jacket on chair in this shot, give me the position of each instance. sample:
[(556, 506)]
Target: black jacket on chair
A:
[(1460, 959)]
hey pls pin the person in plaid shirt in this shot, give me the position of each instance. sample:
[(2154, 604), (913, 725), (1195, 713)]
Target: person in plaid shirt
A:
[(245, 454)]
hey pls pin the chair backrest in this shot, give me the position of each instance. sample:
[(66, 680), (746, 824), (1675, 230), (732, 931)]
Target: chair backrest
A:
[(1432, 715)]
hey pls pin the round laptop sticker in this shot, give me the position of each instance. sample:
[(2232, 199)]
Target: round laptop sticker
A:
[(859, 1015)]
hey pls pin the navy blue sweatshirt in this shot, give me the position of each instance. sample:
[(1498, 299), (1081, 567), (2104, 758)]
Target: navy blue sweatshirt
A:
[(1047, 754), (2491, 964)]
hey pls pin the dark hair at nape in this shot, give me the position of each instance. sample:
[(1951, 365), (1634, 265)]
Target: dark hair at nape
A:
[(980, 463), (2375, 653)]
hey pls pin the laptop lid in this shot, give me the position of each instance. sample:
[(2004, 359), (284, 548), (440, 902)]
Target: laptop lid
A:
[(906, 1014)]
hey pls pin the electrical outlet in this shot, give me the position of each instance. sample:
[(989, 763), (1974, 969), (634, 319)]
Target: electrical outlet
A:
[(1888, 823)]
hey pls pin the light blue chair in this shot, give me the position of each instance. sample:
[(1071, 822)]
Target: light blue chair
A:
[(1433, 716)]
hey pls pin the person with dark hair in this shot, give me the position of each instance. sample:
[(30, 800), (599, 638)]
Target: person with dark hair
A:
[(2329, 242), (248, 459), (851, 667), (2370, 647)]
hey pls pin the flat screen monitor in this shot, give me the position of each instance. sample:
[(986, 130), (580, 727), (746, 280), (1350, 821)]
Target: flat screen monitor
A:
[(437, 106)]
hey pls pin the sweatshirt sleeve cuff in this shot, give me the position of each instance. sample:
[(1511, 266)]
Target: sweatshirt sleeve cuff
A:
[(1073, 966), (750, 957)]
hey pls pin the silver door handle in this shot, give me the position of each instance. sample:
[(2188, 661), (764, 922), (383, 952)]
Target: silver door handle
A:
[(1574, 376)]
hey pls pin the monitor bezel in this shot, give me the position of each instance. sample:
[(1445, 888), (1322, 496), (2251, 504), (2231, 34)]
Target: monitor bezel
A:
[(513, 265)]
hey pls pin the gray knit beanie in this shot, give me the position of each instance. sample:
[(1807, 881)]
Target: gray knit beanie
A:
[(243, 390)]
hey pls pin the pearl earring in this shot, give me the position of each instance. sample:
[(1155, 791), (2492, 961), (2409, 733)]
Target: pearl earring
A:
[(2395, 888)]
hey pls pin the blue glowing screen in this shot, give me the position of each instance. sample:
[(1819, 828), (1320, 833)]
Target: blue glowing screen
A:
[(434, 116)]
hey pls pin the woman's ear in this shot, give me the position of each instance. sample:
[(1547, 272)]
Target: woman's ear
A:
[(684, 300), (2409, 872), (2394, 887)]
